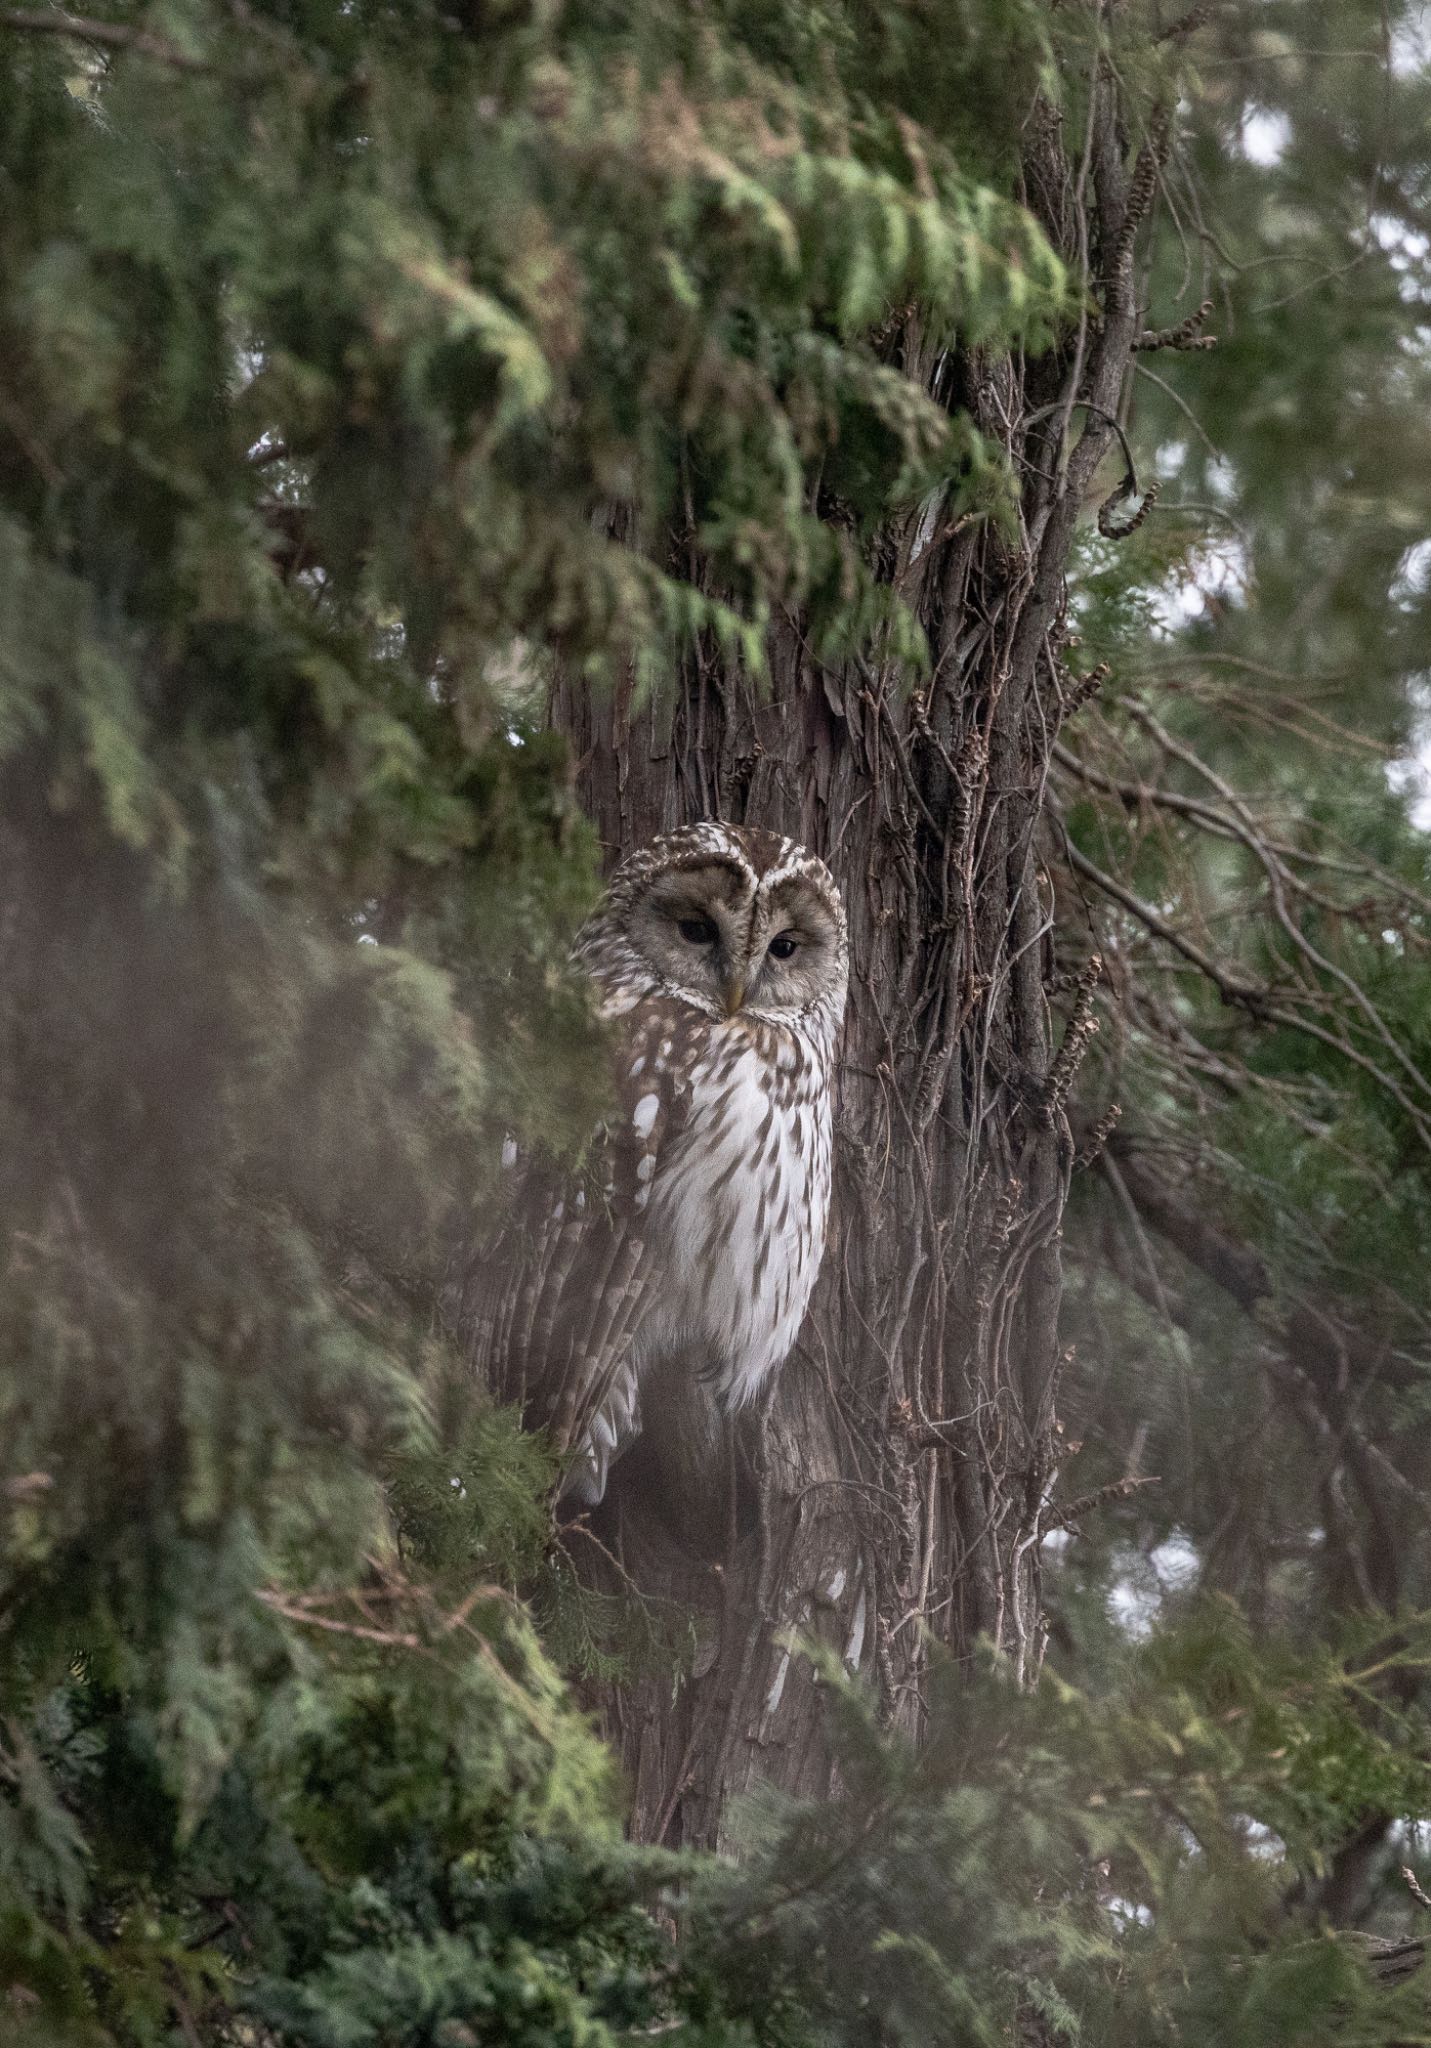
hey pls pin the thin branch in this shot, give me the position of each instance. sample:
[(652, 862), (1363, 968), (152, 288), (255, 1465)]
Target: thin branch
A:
[(1142, 370), (1230, 987), (1183, 334), (1254, 997), (107, 35), (1279, 876)]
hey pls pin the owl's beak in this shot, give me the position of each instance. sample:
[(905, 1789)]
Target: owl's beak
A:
[(734, 992)]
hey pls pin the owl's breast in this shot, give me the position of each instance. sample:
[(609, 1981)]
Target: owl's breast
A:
[(742, 1201)]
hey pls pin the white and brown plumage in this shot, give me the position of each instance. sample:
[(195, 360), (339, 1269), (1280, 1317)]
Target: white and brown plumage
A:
[(720, 959)]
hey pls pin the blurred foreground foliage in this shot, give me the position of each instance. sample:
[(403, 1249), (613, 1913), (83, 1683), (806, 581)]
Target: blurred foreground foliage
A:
[(327, 329)]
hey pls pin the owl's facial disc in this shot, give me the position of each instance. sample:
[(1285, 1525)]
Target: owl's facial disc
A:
[(726, 944), (794, 949), (691, 927)]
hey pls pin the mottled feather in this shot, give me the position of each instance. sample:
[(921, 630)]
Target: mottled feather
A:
[(696, 1231)]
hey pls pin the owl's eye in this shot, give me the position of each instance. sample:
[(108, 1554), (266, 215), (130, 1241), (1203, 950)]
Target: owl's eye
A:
[(783, 945), (697, 931)]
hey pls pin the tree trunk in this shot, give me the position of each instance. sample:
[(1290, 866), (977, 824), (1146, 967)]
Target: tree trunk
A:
[(906, 1461)]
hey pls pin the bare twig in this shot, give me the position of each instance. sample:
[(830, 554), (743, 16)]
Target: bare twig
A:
[(1186, 334), (1058, 1516)]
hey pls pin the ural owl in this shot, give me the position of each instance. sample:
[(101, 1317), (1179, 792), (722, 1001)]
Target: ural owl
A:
[(720, 957)]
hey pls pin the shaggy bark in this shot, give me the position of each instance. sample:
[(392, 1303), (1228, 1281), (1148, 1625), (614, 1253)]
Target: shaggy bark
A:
[(900, 1481)]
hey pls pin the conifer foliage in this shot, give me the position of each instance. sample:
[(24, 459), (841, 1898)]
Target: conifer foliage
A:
[(326, 328), (364, 365)]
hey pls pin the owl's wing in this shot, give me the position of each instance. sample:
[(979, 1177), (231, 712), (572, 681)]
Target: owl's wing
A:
[(557, 1300)]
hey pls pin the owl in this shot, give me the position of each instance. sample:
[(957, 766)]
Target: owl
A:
[(688, 1250)]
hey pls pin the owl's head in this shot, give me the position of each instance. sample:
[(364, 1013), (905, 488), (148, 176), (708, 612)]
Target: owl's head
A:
[(733, 920)]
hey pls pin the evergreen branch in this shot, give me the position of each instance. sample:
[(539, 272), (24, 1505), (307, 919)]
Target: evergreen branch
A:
[(1254, 997), (1278, 879), (1135, 795)]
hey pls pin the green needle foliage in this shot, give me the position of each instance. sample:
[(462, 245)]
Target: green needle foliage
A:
[(361, 361), (1048, 1867), (327, 330)]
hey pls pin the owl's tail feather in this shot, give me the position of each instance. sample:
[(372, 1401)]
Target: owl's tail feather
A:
[(613, 1428)]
